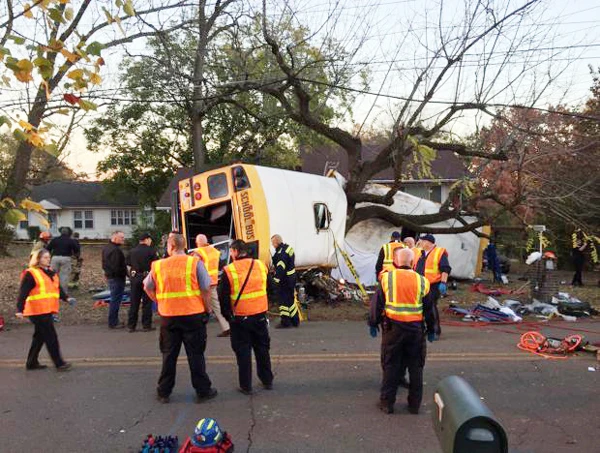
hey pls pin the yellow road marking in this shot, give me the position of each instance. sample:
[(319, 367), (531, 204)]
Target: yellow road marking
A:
[(291, 358)]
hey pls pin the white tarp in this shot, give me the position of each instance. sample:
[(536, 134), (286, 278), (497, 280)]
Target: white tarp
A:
[(364, 240)]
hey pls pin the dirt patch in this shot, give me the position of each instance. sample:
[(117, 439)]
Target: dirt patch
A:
[(92, 278)]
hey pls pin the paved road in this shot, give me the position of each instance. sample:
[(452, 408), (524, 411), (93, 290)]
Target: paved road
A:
[(327, 378)]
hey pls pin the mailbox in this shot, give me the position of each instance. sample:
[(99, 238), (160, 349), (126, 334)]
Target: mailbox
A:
[(462, 422)]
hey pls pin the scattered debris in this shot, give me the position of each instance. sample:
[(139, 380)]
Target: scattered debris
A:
[(551, 348), (320, 286), (481, 288)]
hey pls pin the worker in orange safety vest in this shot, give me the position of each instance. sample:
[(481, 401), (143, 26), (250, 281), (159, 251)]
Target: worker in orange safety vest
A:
[(385, 260), (399, 307), (180, 285), (434, 265), (244, 302), (38, 300), (210, 256)]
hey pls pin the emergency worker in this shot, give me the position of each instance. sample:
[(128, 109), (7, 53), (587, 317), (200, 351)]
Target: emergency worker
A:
[(180, 285), (38, 300), (243, 296), (409, 243), (434, 265), (385, 261), (76, 263), (399, 306), (210, 256), (139, 262), (41, 243), (62, 249), (285, 278)]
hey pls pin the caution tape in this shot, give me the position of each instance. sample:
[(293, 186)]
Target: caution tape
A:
[(352, 269)]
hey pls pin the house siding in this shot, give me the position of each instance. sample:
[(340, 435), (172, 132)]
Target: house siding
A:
[(66, 217)]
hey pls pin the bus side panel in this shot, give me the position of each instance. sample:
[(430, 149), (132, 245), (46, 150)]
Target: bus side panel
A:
[(291, 197)]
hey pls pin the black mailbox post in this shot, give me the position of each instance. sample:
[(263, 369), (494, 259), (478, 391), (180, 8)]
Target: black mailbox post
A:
[(463, 423)]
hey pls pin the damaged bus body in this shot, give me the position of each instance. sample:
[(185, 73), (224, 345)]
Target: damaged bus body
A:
[(253, 203)]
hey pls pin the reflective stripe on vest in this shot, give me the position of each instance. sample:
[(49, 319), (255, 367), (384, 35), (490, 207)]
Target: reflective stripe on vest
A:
[(404, 290), (388, 257), (177, 288), (43, 298), (432, 265), (210, 257), (417, 252), (254, 298)]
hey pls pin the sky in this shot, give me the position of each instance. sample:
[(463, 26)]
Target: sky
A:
[(393, 40)]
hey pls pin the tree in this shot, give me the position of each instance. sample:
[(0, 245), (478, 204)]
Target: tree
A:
[(52, 51), (492, 31), (552, 174), (152, 135)]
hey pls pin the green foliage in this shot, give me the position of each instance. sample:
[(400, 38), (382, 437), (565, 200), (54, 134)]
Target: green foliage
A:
[(150, 138), (161, 225)]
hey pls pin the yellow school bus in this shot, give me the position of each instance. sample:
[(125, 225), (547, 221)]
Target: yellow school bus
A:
[(253, 203)]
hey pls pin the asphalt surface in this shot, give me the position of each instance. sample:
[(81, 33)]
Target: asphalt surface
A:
[(327, 377)]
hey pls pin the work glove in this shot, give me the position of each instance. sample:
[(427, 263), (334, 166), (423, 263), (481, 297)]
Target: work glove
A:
[(443, 288), (373, 331), (431, 337)]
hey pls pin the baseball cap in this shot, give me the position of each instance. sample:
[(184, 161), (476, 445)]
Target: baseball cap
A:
[(428, 237)]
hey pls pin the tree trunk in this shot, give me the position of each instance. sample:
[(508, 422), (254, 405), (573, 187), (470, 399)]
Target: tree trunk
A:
[(198, 143)]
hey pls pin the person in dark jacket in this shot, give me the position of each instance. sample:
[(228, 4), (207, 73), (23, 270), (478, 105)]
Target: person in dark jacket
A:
[(38, 299), (285, 278), (115, 271), (62, 249), (139, 262)]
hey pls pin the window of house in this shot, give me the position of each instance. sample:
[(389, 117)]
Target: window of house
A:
[(123, 217), (83, 220), (435, 194), (88, 220), (322, 217), (23, 224)]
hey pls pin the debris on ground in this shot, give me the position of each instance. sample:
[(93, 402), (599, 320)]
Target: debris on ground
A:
[(481, 288), (551, 348), (321, 286), (489, 311)]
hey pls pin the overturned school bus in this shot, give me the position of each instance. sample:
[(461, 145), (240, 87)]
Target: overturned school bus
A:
[(253, 203)]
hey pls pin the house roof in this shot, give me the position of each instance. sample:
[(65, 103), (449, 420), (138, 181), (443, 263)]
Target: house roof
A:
[(319, 160), (80, 194)]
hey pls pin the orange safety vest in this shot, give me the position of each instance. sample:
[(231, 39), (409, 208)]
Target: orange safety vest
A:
[(432, 264), (210, 257), (417, 252), (254, 298), (388, 256), (43, 298), (404, 290), (177, 288)]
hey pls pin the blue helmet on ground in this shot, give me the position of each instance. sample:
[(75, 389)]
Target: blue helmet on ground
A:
[(207, 433)]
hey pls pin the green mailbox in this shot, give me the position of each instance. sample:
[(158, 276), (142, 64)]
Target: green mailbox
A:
[(462, 422)]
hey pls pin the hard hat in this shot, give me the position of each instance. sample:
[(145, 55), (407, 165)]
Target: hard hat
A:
[(207, 433), (45, 235)]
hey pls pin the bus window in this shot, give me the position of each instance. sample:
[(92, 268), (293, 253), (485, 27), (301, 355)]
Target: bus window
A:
[(240, 179), (217, 186), (322, 216)]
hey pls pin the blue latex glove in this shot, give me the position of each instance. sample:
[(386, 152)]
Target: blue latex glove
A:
[(443, 288), (373, 331), (72, 301), (431, 337)]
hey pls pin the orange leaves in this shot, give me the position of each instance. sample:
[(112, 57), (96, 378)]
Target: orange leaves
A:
[(71, 98), (23, 71), (82, 103)]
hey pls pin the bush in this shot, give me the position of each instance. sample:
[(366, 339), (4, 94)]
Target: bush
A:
[(34, 232), (160, 226)]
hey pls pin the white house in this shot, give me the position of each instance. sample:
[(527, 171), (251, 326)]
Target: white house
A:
[(85, 207)]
